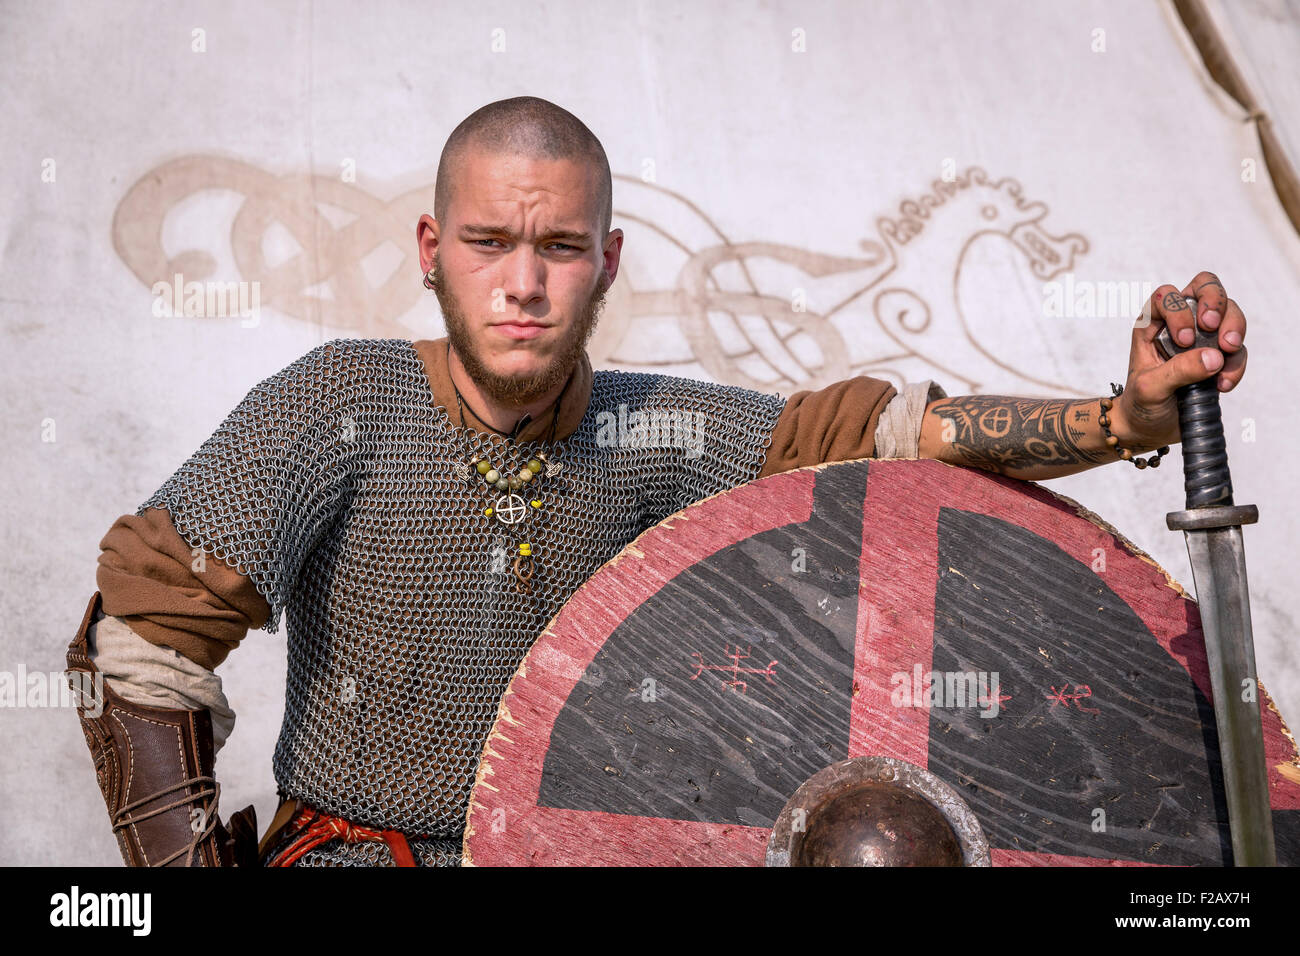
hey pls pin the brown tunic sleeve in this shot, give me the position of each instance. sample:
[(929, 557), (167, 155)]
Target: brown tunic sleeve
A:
[(836, 423), (146, 576)]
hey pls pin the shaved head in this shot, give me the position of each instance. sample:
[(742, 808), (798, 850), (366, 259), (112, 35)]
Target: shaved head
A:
[(531, 127)]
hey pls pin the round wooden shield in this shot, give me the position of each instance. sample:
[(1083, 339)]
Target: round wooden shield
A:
[(985, 629)]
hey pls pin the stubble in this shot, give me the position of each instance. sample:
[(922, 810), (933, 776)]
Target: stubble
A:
[(517, 390)]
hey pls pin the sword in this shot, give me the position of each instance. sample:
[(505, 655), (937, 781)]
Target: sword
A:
[(1212, 526)]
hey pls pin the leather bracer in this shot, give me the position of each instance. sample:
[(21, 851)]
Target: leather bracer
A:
[(154, 768)]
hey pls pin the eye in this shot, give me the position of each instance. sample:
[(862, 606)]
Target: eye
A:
[(477, 241), (565, 245)]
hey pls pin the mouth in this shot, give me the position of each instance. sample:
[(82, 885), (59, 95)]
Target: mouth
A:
[(520, 330)]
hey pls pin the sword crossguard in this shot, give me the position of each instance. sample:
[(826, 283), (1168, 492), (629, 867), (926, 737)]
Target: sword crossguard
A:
[(1215, 516)]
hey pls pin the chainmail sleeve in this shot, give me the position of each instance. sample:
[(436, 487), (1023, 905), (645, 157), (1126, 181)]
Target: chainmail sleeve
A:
[(260, 491), (699, 438), (732, 434)]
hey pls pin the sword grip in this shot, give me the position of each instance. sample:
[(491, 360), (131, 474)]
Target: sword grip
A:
[(1205, 452), (1206, 478)]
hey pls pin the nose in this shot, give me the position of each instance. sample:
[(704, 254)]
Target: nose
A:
[(523, 278)]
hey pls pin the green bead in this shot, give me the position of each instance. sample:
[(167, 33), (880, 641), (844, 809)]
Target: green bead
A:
[(483, 466), (534, 465), (492, 475), (502, 484), (514, 483)]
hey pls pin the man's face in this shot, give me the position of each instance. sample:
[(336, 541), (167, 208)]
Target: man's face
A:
[(520, 271)]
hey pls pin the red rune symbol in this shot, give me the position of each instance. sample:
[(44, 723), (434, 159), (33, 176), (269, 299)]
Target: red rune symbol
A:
[(734, 667), (988, 701), (1087, 692), (1061, 697)]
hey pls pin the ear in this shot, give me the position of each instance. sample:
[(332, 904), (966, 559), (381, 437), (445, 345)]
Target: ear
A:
[(426, 240), (612, 252)]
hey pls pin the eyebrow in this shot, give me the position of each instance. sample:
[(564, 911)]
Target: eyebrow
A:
[(472, 229)]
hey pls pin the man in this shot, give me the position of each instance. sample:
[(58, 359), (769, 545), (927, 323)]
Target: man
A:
[(422, 510)]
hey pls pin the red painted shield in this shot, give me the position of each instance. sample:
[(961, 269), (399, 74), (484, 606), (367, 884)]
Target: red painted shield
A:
[(983, 628)]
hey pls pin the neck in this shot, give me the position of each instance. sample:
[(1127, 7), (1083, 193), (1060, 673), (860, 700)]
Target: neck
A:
[(498, 415)]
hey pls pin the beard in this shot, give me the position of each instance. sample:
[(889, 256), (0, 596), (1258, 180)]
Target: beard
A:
[(517, 390)]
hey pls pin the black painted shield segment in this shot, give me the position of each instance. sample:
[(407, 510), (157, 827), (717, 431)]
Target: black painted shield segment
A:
[(731, 686), (1103, 748)]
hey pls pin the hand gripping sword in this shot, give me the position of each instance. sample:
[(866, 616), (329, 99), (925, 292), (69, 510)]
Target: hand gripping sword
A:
[(1212, 526)]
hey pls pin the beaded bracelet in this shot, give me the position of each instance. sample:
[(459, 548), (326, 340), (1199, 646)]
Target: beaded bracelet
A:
[(1113, 442)]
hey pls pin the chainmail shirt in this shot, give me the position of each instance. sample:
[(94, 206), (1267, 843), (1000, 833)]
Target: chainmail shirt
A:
[(336, 486)]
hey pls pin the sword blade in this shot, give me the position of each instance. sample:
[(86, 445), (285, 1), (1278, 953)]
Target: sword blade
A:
[(1218, 557)]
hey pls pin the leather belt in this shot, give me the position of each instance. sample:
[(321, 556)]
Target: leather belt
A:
[(310, 828)]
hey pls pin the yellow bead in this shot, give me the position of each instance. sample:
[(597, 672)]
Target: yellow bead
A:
[(488, 512), (525, 549), (536, 503)]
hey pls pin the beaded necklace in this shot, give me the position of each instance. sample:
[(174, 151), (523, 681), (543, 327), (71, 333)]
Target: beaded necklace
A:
[(503, 502)]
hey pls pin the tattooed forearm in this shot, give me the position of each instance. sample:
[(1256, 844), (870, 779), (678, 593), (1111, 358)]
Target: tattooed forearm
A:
[(1041, 437)]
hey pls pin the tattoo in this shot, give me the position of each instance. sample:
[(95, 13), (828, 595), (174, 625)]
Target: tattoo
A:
[(1214, 280), (1173, 300), (1000, 433)]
